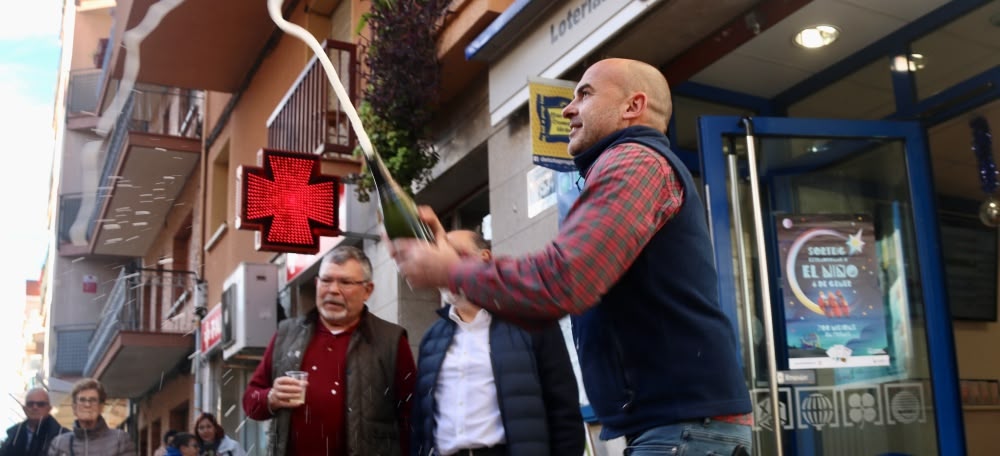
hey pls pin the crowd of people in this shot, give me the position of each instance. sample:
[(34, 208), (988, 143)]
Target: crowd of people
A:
[(493, 378), (41, 435)]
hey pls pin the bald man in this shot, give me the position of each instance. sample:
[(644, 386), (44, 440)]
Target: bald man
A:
[(32, 436), (633, 264), (487, 387)]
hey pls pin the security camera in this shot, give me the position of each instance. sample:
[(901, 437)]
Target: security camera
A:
[(201, 311)]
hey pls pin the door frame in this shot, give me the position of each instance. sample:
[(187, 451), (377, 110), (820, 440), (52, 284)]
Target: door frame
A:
[(940, 338)]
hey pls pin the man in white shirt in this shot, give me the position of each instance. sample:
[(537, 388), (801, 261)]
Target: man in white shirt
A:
[(488, 388)]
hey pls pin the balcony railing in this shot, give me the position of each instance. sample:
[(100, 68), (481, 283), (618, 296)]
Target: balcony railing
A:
[(145, 301), (145, 111), (81, 97), (310, 118)]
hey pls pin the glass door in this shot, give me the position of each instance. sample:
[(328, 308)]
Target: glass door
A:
[(826, 241)]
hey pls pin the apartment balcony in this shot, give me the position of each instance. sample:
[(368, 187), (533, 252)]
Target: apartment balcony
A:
[(145, 330), (310, 118), (150, 154), (175, 54)]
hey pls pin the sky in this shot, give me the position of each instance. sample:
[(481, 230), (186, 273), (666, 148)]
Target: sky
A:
[(29, 64)]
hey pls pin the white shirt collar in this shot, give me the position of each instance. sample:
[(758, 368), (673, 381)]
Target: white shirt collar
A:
[(482, 319)]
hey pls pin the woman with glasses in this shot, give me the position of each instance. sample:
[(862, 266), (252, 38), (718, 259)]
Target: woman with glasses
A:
[(213, 439), (184, 444), (91, 435)]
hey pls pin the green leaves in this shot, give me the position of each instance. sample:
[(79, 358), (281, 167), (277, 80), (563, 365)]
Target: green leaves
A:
[(403, 82)]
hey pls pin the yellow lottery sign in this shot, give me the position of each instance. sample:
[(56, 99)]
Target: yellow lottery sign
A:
[(549, 129)]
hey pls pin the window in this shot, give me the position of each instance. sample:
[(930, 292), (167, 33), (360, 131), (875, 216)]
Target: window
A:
[(219, 187)]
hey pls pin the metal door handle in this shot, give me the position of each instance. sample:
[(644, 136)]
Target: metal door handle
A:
[(765, 278)]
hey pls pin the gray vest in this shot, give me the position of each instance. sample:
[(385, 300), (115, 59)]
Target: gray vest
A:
[(371, 417)]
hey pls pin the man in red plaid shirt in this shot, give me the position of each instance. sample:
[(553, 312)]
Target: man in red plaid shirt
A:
[(633, 264)]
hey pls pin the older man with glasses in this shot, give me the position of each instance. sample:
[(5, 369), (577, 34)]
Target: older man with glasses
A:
[(356, 399), (91, 435), (32, 436)]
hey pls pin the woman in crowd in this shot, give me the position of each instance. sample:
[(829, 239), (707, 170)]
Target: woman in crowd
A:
[(183, 444), (213, 439), (91, 435)]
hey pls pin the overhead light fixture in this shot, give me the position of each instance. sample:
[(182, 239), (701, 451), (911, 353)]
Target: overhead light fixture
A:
[(817, 36), (911, 63)]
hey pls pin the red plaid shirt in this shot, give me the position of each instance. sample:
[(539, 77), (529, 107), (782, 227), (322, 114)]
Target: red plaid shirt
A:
[(630, 192)]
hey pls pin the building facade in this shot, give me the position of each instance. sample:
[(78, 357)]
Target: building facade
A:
[(155, 291)]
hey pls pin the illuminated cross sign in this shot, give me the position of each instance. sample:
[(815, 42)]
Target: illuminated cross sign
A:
[(287, 201)]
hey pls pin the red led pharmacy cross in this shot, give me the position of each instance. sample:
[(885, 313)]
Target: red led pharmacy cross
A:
[(287, 201)]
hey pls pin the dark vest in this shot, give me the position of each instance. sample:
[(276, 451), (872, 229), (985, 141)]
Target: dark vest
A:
[(519, 390), (657, 349), (372, 424)]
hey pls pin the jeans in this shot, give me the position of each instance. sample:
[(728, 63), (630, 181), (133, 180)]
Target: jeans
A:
[(702, 438)]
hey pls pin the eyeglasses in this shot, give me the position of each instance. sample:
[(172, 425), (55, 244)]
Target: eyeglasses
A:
[(38, 404), (87, 400), (327, 282)]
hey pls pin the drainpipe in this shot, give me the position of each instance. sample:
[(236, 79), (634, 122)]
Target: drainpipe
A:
[(200, 296)]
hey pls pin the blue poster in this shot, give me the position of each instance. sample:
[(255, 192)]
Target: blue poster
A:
[(834, 312)]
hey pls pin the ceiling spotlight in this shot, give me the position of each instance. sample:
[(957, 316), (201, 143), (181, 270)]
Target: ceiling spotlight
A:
[(817, 36)]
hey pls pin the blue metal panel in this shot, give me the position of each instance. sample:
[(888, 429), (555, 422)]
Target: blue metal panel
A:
[(710, 132), (759, 106), (957, 99), (904, 84), (940, 340)]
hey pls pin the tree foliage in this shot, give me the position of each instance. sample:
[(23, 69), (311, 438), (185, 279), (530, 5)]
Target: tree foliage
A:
[(403, 77)]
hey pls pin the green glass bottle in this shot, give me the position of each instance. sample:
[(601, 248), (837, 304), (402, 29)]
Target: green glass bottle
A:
[(399, 211)]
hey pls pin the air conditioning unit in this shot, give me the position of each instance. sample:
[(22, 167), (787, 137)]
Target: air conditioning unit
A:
[(355, 216), (249, 309)]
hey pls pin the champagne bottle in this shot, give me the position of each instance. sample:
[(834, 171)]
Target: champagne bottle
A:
[(399, 212)]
